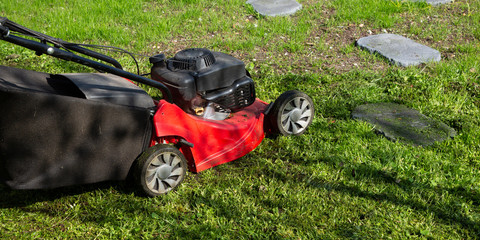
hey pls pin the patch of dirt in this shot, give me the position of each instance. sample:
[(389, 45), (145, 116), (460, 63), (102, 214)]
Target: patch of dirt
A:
[(332, 48)]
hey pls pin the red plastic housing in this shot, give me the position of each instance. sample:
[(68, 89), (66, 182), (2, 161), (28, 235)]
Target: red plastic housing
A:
[(215, 142)]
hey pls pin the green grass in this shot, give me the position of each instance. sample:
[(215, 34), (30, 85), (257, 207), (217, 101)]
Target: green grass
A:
[(339, 180)]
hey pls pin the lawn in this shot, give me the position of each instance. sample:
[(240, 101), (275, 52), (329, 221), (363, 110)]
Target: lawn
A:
[(340, 180)]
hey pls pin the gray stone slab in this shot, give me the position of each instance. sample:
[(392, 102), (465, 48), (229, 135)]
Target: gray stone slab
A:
[(433, 2), (400, 123), (399, 50), (275, 7)]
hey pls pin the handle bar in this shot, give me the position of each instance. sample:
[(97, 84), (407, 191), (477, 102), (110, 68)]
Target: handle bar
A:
[(42, 48)]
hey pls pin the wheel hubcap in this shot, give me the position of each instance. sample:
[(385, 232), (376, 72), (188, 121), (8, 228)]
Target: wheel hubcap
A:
[(296, 115), (163, 172)]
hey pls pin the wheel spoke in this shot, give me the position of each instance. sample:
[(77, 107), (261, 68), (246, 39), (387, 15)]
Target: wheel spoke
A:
[(304, 106), (287, 124), (161, 186), (163, 158), (156, 162), (152, 183), (175, 161), (302, 123), (294, 128), (151, 171), (289, 106), (171, 182), (297, 102), (168, 158), (285, 116), (306, 114), (177, 172)]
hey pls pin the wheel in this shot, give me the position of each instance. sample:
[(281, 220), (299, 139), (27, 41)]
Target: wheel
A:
[(292, 113), (160, 169)]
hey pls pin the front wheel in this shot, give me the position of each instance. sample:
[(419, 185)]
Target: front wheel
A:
[(160, 169), (292, 113)]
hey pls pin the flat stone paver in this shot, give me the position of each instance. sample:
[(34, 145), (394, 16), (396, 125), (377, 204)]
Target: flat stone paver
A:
[(399, 50), (434, 2), (275, 7), (398, 122)]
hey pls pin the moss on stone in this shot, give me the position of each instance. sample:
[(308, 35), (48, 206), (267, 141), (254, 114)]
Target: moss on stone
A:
[(400, 123)]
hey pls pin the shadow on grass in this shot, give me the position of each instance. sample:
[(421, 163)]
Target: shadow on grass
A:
[(10, 198), (450, 209), (449, 212), (448, 205)]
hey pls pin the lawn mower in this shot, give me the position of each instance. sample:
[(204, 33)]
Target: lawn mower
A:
[(78, 128)]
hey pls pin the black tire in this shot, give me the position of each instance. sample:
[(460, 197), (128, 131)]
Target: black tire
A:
[(160, 169), (292, 113)]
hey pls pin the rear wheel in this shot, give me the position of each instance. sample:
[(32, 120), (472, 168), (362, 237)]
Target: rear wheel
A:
[(292, 113), (160, 169)]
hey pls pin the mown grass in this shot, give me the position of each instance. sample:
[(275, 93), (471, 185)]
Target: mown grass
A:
[(339, 180)]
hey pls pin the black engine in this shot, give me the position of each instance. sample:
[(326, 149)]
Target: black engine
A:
[(198, 77)]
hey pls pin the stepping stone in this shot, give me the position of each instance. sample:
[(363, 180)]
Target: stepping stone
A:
[(400, 123), (275, 7), (399, 50), (434, 2)]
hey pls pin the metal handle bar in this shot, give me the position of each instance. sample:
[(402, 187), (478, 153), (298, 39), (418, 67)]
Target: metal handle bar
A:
[(15, 27), (42, 48)]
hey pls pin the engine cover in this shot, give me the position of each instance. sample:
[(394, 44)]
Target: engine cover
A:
[(197, 76)]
